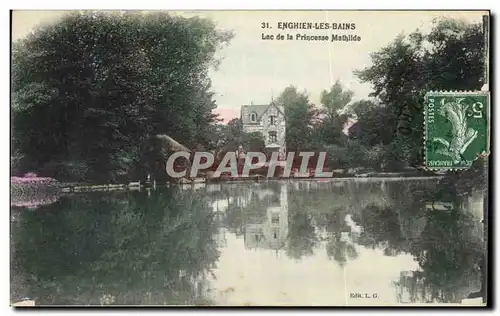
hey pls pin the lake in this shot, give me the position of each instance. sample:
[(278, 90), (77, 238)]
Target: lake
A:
[(325, 242)]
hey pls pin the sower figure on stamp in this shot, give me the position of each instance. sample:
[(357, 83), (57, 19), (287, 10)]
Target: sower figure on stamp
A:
[(461, 134), (456, 128)]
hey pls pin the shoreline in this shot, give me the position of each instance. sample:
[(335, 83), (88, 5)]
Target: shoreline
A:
[(63, 188), (199, 181), (38, 195)]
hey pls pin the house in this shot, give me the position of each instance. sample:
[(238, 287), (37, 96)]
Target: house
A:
[(269, 120), (351, 121), (272, 232)]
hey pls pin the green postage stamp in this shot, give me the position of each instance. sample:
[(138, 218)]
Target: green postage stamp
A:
[(456, 128)]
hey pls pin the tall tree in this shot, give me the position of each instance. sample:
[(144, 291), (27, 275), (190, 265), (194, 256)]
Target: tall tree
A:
[(329, 130), (300, 116), (449, 57), (88, 90), (372, 126), (358, 108), (335, 100)]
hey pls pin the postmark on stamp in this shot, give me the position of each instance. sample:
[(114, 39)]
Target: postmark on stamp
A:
[(456, 128)]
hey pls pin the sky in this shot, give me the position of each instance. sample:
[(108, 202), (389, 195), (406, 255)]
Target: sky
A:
[(262, 276), (256, 71)]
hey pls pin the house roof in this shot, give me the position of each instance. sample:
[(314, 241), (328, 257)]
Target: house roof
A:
[(173, 144), (258, 109)]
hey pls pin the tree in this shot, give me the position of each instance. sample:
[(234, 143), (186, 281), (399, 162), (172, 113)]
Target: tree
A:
[(329, 130), (88, 90), (253, 142), (374, 126), (449, 57), (335, 100), (232, 136), (359, 108), (300, 116), (337, 156), (356, 153)]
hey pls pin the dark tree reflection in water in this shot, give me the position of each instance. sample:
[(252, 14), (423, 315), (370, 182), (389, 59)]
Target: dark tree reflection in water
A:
[(302, 238), (131, 248), (174, 246)]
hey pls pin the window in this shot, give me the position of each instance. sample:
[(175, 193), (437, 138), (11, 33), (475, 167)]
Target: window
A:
[(273, 137), (253, 117), (272, 119)]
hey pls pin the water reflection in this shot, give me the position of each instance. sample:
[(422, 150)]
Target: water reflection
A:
[(297, 243)]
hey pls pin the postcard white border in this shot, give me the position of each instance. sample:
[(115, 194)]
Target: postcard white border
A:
[(187, 5)]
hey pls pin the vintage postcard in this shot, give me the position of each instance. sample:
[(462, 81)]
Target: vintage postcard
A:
[(250, 158)]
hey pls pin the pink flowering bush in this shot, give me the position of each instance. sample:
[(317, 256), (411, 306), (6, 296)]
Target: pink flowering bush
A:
[(31, 178), (31, 191)]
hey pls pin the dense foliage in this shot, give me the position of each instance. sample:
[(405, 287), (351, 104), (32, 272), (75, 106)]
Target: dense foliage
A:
[(389, 128), (90, 89)]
